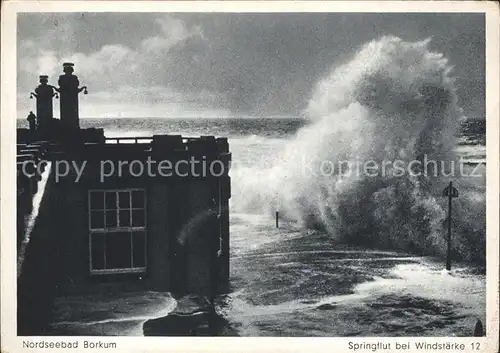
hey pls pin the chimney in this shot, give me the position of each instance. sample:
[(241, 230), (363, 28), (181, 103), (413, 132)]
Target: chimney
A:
[(44, 94), (69, 88)]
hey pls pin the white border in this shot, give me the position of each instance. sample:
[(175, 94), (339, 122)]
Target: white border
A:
[(10, 343)]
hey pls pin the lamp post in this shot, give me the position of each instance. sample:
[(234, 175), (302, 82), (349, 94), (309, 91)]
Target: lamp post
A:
[(449, 192)]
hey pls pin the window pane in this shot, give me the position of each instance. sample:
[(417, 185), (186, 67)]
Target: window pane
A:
[(138, 219), (124, 218), (137, 199), (96, 219), (97, 243), (124, 199), (118, 250), (96, 200), (111, 200), (139, 248), (111, 219)]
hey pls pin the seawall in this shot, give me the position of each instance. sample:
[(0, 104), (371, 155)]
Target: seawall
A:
[(38, 272)]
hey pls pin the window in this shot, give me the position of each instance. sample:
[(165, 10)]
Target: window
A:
[(117, 224)]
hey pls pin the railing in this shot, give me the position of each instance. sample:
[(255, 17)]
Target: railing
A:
[(143, 139), (117, 140)]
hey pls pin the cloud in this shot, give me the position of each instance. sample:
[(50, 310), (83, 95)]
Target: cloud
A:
[(253, 64), (174, 31), (119, 73)]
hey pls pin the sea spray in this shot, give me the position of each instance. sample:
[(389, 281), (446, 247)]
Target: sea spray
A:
[(394, 100)]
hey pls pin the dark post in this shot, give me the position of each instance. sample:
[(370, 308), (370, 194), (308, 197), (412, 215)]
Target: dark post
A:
[(478, 329), (448, 252), (224, 258), (450, 192), (213, 248), (277, 219)]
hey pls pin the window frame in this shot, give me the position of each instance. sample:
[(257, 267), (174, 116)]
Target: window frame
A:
[(118, 228)]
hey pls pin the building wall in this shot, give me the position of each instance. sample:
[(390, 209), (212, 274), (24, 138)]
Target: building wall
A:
[(71, 201), (184, 235), (202, 236), (72, 219), (178, 215), (223, 259), (159, 223), (186, 219)]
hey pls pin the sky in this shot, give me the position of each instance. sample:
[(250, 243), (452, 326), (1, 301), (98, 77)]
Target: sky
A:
[(225, 64)]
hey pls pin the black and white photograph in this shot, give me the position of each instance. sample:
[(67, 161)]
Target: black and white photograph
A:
[(248, 174)]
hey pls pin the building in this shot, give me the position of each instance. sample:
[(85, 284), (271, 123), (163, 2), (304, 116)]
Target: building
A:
[(148, 212)]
